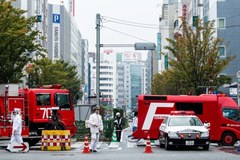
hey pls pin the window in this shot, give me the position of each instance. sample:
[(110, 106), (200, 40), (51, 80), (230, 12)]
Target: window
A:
[(184, 121), (221, 23), (222, 51), (43, 99), (62, 101), (196, 107), (231, 113)]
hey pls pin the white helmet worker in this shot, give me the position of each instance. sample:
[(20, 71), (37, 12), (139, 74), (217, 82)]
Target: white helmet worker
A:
[(17, 110), (118, 114)]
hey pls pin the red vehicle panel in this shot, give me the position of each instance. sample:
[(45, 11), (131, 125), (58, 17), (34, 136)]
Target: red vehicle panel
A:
[(41, 108), (221, 112)]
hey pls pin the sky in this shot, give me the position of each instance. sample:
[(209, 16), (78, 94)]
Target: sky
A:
[(117, 15), (119, 21)]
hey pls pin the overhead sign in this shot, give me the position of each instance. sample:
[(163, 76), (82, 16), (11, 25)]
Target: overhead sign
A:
[(19, 147)]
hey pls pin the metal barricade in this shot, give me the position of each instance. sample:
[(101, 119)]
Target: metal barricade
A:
[(56, 140)]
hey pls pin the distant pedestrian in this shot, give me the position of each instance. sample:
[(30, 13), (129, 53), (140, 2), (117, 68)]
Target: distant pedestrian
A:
[(135, 122), (96, 127), (118, 125), (16, 128)]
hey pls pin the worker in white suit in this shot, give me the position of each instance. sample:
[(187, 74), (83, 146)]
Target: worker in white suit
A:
[(96, 127), (17, 127)]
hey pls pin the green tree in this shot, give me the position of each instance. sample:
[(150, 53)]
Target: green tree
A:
[(17, 42), (46, 72), (196, 59)]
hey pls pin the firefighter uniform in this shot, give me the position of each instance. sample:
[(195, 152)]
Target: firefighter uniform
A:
[(17, 127), (96, 126)]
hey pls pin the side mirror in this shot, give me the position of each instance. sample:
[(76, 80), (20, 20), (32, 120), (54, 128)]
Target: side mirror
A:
[(162, 126), (206, 124)]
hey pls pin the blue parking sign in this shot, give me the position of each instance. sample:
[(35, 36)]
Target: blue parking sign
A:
[(56, 18)]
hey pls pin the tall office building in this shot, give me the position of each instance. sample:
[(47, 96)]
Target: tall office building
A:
[(227, 22)]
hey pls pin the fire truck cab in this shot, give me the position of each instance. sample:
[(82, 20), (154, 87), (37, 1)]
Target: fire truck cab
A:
[(220, 111), (47, 107)]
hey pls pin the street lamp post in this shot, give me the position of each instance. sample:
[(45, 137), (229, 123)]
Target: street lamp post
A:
[(137, 46)]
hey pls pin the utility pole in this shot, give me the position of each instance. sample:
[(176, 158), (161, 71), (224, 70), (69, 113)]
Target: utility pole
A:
[(98, 20)]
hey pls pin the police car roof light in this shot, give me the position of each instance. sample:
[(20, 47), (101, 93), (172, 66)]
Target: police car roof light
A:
[(182, 112)]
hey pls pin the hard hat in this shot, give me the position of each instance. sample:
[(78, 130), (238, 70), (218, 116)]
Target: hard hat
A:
[(17, 110), (118, 114), (96, 108)]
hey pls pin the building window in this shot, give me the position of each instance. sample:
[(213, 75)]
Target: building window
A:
[(222, 51), (221, 23)]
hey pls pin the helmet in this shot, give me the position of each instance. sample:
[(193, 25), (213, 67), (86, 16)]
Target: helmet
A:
[(96, 108), (118, 114), (17, 110)]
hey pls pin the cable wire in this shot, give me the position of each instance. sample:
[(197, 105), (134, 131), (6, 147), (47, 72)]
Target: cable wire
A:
[(126, 34), (136, 23), (132, 25)]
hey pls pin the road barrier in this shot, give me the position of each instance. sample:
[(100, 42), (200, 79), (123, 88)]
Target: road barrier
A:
[(56, 140)]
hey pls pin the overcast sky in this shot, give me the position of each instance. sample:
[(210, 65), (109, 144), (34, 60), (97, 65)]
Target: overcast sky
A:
[(117, 14), (119, 18)]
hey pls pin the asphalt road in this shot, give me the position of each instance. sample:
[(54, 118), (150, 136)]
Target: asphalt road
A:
[(125, 151)]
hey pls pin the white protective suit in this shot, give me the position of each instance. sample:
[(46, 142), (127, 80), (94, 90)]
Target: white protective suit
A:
[(96, 126), (17, 128)]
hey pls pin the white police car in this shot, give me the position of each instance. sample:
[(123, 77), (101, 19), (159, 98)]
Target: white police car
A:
[(183, 128)]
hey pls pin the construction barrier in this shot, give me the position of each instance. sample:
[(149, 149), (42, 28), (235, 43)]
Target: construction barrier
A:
[(56, 140)]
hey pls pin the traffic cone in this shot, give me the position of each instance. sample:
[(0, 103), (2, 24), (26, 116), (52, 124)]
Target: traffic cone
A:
[(86, 146), (114, 143), (148, 148), (114, 136)]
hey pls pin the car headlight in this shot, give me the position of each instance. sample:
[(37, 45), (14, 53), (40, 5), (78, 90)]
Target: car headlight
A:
[(172, 134), (205, 134)]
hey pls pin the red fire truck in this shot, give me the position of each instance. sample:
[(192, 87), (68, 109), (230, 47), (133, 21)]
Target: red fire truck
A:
[(47, 107), (220, 111)]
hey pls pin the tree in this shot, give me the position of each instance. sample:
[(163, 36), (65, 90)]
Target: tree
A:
[(46, 72), (17, 42), (196, 59)]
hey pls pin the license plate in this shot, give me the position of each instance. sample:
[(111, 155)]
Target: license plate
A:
[(189, 143)]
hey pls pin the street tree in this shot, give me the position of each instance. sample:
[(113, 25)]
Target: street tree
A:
[(17, 42), (197, 63), (46, 72)]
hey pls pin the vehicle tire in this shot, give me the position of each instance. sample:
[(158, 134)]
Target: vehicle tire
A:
[(55, 126), (228, 139), (167, 147), (161, 145), (206, 147), (33, 141)]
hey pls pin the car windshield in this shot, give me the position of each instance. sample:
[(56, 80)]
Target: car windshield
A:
[(232, 113), (184, 121)]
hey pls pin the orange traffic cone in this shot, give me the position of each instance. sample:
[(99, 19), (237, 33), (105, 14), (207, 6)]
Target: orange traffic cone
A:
[(148, 148), (86, 146)]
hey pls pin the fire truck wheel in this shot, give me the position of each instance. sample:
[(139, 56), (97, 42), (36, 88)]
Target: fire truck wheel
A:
[(33, 141), (53, 126), (228, 139)]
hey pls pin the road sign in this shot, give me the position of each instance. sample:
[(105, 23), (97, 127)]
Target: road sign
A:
[(19, 147), (56, 18), (144, 46)]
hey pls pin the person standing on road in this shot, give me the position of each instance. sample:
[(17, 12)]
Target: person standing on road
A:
[(17, 127), (135, 122), (118, 125), (96, 127)]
